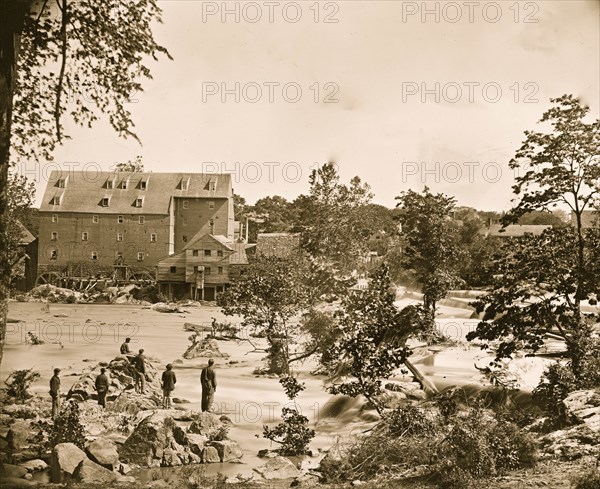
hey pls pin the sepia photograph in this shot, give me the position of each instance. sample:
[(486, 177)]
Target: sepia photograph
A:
[(300, 244)]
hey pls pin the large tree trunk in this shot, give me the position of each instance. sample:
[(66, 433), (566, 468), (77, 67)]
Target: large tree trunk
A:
[(12, 15)]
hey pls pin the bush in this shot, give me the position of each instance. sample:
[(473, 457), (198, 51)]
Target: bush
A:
[(293, 435), (483, 447), (589, 479), (18, 383), (67, 427), (219, 434), (409, 420), (555, 385)]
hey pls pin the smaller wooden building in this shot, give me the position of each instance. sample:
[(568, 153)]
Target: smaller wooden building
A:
[(202, 269)]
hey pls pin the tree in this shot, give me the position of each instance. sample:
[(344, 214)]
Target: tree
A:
[(557, 218), (430, 252), (131, 166), (77, 58), (275, 212), (370, 341), (334, 228), (270, 293), (543, 282)]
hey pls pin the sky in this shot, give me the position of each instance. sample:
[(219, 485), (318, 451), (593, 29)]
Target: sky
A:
[(403, 94)]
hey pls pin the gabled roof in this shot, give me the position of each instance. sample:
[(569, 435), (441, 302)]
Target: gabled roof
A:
[(26, 236), (222, 240), (516, 230), (84, 191)]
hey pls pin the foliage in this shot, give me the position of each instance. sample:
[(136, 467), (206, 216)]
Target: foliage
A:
[(409, 420), (371, 338), (587, 479), (334, 226), (555, 385), (131, 166), (430, 252), (99, 50), (268, 295), (293, 434), (66, 428), (18, 383), (34, 339), (219, 434)]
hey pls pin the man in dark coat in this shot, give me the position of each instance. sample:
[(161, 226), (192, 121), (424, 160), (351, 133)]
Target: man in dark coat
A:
[(168, 385), (102, 387), (208, 379), (125, 347), (55, 392), (140, 372)]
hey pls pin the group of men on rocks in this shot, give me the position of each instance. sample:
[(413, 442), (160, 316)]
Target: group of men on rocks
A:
[(208, 381)]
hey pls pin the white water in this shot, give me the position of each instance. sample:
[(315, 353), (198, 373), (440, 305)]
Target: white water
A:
[(94, 333)]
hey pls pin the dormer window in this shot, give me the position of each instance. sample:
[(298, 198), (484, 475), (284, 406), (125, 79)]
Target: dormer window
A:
[(212, 185), (110, 183), (124, 184), (143, 184), (62, 182), (139, 201), (55, 200), (104, 202), (184, 183)]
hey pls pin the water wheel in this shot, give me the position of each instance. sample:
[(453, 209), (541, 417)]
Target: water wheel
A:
[(49, 278)]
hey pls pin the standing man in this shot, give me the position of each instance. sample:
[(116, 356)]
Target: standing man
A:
[(168, 385), (125, 347), (55, 392), (140, 372), (102, 387), (208, 379)]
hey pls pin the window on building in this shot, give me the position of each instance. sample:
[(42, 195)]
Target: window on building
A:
[(206, 252), (141, 219), (54, 217), (212, 185), (212, 222), (196, 268), (186, 204), (153, 237), (139, 202), (206, 270), (120, 219), (95, 219), (61, 183), (173, 269), (140, 256), (94, 255), (109, 184), (105, 202), (55, 200), (184, 183), (54, 236), (220, 270), (124, 184), (53, 254), (184, 238), (119, 236), (194, 252), (219, 252), (143, 184), (84, 236), (211, 204)]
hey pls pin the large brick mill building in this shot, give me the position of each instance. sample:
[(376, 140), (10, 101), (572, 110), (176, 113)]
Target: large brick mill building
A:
[(119, 225)]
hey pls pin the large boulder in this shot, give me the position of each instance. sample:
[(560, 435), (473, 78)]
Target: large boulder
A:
[(584, 407), (203, 347), (90, 472), (35, 465), (18, 435), (205, 423), (104, 453), (13, 471), (210, 455), (64, 460), (278, 468), (196, 442), (148, 440), (228, 450)]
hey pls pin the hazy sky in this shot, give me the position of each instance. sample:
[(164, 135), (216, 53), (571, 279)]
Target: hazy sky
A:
[(400, 93)]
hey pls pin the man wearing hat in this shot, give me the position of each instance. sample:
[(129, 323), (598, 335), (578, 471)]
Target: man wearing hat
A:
[(102, 387), (55, 392), (168, 385)]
